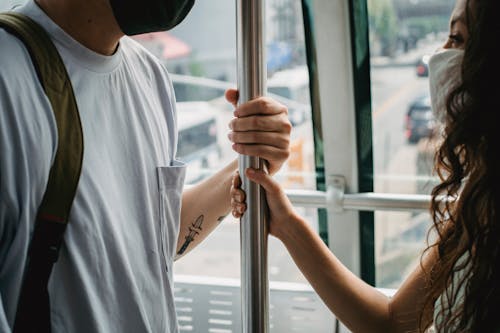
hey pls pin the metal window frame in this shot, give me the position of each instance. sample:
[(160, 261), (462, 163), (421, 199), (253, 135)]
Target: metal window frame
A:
[(340, 69), (334, 77), (336, 202)]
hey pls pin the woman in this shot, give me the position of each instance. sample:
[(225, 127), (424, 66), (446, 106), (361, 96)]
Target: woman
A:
[(457, 286)]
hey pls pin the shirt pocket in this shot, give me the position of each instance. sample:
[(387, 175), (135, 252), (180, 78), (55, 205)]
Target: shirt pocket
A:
[(170, 185)]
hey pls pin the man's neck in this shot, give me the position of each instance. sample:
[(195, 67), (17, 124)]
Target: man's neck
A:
[(90, 22)]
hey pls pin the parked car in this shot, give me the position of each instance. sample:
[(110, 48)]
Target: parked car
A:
[(419, 120), (423, 66)]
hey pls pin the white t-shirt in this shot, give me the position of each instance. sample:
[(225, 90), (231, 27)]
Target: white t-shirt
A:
[(114, 272)]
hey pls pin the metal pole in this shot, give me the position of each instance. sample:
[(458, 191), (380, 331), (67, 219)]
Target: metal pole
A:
[(253, 230)]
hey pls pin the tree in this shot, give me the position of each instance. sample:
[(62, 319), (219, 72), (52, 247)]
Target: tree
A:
[(383, 24)]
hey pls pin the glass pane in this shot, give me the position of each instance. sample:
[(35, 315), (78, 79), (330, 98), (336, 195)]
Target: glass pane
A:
[(402, 36), (203, 64)]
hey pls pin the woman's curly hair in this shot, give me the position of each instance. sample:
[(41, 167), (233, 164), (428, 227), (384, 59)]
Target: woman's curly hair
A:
[(468, 226)]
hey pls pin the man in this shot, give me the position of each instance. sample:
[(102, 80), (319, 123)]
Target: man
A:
[(114, 272)]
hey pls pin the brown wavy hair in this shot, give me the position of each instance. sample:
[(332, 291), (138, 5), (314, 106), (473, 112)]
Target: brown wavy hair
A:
[(467, 164)]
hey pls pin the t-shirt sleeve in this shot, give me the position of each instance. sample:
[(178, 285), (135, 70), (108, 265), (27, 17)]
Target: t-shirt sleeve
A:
[(28, 137), (28, 132)]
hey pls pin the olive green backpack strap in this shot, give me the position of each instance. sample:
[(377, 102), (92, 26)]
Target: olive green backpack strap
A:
[(33, 311)]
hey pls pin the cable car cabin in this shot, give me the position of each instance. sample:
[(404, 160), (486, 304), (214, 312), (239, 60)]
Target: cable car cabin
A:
[(353, 173)]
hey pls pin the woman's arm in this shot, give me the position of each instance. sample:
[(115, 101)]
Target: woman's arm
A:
[(358, 305)]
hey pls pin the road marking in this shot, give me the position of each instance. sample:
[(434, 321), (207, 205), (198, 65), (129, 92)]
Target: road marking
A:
[(391, 101)]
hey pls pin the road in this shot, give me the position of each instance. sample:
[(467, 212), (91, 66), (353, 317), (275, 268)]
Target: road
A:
[(392, 90), (395, 171)]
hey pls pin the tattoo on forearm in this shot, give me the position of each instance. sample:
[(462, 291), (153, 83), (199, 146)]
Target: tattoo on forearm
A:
[(194, 230)]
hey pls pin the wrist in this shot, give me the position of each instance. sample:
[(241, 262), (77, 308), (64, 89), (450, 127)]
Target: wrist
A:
[(288, 230)]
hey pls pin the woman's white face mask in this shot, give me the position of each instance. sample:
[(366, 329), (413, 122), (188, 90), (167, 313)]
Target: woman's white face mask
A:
[(445, 74)]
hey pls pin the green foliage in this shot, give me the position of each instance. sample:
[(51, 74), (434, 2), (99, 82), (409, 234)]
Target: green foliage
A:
[(383, 23), (419, 27)]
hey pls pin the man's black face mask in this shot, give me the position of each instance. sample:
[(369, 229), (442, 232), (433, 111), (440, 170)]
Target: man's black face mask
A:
[(141, 16)]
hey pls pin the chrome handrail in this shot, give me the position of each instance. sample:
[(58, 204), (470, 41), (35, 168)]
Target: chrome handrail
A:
[(369, 201), (253, 227)]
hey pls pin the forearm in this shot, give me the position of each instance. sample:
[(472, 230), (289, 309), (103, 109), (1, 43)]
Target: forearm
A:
[(358, 305), (203, 208)]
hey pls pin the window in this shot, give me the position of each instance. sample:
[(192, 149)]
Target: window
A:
[(202, 75), (402, 35)]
